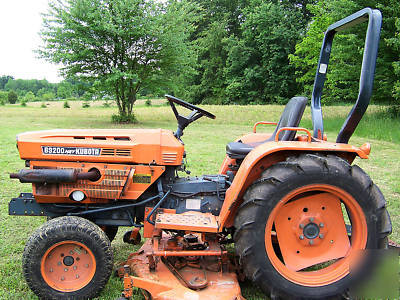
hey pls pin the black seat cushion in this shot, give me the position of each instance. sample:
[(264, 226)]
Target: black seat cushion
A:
[(239, 150), (290, 117)]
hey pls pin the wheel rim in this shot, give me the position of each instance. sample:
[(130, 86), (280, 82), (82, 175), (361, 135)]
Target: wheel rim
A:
[(296, 220), (68, 266)]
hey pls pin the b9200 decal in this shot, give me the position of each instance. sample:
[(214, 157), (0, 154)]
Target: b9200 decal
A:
[(49, 150)]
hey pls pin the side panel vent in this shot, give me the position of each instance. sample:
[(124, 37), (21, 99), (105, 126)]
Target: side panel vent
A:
[(123, 152), (115, 152), (108, 151), (169, 157)]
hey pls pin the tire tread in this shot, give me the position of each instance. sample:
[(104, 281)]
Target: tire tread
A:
[(61, 228)]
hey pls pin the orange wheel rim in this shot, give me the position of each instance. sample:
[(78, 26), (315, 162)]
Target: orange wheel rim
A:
[(68, 266), (309, 227)]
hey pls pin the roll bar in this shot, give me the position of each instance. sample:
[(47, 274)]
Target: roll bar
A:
[(374, 18)]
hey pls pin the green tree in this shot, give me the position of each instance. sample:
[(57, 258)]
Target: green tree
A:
[(64, 90), (12, 97), (3, 81), (258, 68), (233, 40), (395, 43), (87, 96), (217, 20), (119, 45), (3, 96), (41, 92), (49, 96), (209, 84), (344, 67), (29, 96)]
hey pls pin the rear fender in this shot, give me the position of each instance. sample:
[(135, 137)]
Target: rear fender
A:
[(267, 154)]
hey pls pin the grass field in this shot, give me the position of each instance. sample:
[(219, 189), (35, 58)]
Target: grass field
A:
[(205, 143)]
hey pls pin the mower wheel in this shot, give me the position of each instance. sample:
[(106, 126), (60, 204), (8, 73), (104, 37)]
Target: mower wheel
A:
[(292, 228), (67, 258), (127, 238)]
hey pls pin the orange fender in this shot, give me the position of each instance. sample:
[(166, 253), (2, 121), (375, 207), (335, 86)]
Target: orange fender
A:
[(270, 153)]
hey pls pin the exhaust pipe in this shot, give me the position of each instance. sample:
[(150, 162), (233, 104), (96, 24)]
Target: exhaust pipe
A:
[(54, 175)]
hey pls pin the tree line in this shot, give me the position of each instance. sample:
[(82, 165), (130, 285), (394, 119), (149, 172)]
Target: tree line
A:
[(255, 51), (13, 90), (216, 51)]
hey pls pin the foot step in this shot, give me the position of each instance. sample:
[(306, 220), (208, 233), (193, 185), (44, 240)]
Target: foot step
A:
[(190, 220)]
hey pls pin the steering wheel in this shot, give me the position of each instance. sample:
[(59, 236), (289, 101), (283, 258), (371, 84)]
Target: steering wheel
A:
[(183, 121)]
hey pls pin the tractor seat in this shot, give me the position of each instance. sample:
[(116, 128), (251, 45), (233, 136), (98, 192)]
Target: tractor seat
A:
[(291, 117)]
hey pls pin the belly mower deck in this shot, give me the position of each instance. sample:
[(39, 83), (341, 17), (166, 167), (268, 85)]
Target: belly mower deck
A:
[(180, 274)]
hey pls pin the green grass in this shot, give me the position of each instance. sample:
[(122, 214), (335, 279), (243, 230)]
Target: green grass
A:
[(205, 143)]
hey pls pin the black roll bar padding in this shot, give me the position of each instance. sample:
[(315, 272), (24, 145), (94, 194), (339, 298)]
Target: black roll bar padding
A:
[(366, 76)]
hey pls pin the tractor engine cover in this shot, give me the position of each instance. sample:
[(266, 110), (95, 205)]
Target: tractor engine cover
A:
[(204, 194)]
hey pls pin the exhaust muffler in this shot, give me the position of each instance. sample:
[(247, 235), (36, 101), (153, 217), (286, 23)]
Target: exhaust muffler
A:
[(54, 175)]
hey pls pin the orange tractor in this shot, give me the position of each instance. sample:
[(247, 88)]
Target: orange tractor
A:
[(297, 210)]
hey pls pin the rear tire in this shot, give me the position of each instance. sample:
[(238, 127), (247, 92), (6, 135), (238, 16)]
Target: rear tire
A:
[(295, 208), (67, 258)]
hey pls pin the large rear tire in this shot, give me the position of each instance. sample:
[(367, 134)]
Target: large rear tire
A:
[(292, 230), (67, 258)]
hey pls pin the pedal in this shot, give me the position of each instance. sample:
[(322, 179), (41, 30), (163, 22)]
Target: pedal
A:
[(190, 220)]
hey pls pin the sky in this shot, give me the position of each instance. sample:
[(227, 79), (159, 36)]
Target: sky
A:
[(20, 23)]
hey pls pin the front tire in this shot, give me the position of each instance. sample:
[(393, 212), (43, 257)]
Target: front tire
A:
[(67, 258), (291, 228)]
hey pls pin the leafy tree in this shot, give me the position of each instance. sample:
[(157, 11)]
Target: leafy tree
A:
[(344, 68), (29, 96), (300, 6), (233, 40), (12, 97), (119, 45), (258, 65), (64, 90), (3, 80), (217, 20), (209, 85), (48, 96), (87, 96), (395, 43), (3, 96), (25, 85)]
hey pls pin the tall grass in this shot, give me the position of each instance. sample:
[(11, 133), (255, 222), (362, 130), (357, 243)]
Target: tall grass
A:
[(377, 123)]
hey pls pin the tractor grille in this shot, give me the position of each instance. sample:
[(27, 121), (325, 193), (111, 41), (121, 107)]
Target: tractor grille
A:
[(109, 187), (169, 157), (115, 152)]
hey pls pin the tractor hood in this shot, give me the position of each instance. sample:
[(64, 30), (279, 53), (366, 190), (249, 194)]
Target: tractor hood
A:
[(139, 146)]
